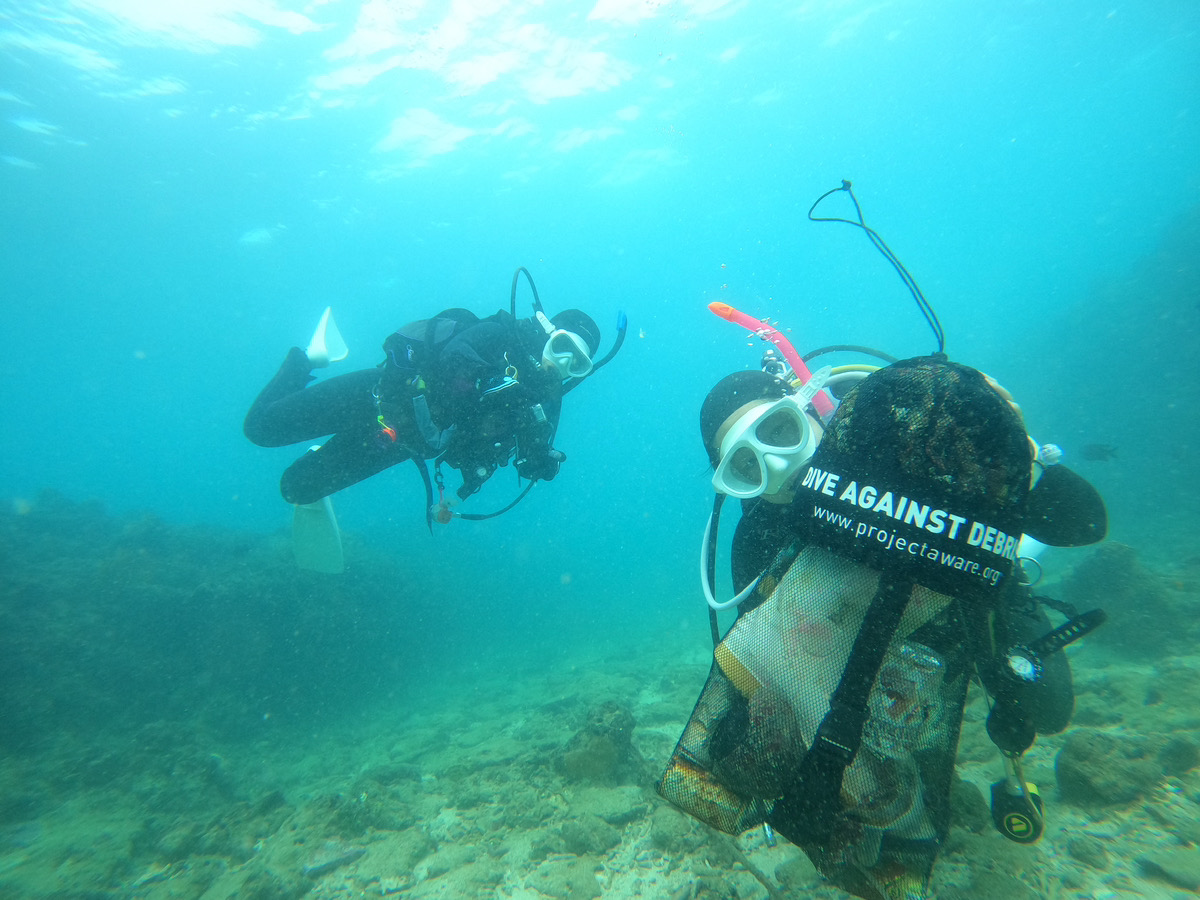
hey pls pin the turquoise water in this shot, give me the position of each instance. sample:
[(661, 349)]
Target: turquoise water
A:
[(185, 187)]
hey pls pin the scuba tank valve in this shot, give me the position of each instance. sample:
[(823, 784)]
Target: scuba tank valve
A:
[(774, 364)]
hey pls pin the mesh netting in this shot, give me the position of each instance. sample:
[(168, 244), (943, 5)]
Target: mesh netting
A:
[(770, 689), (922, 475)]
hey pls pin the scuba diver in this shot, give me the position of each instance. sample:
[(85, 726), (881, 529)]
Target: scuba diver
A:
[(878, 570), (473, 393)]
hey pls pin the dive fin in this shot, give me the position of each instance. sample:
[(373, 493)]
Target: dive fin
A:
[(326, 345), (316, 540), (1064, 510)]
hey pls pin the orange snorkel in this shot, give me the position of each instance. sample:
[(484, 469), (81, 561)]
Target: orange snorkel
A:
[(821, 401)]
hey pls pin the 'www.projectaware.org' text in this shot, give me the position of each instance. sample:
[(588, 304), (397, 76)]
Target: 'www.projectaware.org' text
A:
[(890, 540), (912, 512)]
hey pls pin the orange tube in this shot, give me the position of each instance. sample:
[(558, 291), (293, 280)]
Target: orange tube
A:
[(821, 400)]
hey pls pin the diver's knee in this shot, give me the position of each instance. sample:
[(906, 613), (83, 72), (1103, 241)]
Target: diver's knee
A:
[(297, 491), (300, 496), (255, 433)]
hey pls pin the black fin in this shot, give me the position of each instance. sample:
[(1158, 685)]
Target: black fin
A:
[(1064, 510)]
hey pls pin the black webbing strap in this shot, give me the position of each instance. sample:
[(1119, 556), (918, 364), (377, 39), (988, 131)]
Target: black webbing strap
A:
[(810, 805), (423, 468)]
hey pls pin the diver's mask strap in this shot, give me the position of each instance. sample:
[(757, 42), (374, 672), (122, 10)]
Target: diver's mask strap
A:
[(811, 804)]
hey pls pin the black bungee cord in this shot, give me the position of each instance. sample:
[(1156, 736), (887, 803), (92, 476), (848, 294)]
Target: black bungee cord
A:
[(922, 304)]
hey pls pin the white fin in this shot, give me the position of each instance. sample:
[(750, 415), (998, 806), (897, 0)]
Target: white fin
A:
[(316, 539), (326, 345)]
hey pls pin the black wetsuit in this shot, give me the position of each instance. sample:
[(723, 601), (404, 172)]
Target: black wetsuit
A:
[(488, 400)]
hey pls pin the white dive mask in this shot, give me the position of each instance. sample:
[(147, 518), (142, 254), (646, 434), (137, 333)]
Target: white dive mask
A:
[(765, 447)]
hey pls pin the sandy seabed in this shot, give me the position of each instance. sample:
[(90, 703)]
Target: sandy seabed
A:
[(470, 780)]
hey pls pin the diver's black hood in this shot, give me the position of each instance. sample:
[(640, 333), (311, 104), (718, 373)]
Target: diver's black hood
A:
[(924, 468)]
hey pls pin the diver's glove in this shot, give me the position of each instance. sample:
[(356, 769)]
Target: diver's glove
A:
[(541, 465)]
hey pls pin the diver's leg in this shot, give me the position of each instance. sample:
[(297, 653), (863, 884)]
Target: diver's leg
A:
[(345, 459), (288, 411), (261, 425)]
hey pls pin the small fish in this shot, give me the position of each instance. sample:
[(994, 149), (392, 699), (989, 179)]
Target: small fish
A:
[(1098, 452)]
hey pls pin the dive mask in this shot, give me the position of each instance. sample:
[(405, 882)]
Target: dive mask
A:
[(567, 352), (764, 448)]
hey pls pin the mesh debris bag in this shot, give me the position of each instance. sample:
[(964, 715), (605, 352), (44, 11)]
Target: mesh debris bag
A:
[(833, 707)]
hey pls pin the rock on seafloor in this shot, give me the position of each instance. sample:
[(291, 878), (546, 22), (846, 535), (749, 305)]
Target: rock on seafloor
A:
[(330, 856)]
